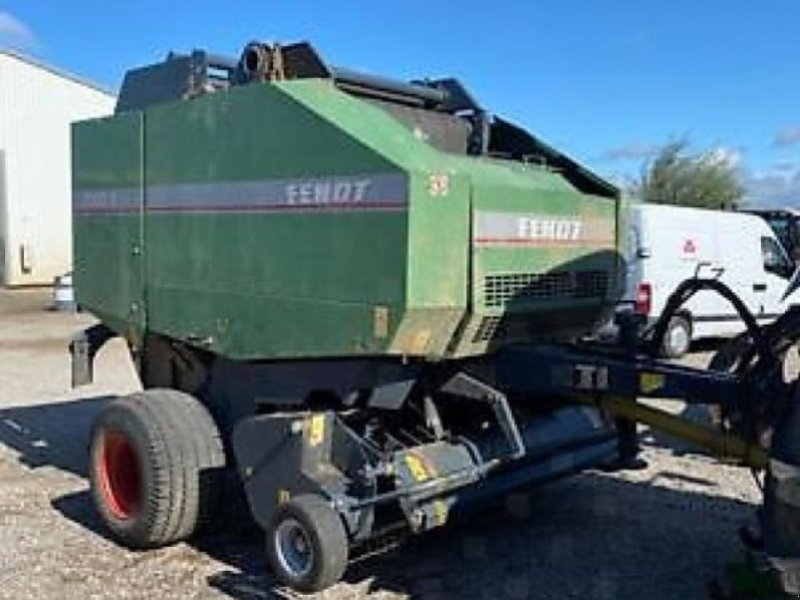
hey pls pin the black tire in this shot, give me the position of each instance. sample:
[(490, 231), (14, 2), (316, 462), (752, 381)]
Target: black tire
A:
[(324, 538), (726, 360), (780, 514), (156, 467), (678, 337)]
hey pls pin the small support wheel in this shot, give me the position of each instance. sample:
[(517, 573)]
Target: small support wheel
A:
[(307, 544), (677, 338)]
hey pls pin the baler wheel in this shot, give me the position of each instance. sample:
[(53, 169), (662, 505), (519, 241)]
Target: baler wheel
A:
[(156, 467), (307, 544)]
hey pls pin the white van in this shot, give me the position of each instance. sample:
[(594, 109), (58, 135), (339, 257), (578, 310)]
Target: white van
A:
[(669, 244)]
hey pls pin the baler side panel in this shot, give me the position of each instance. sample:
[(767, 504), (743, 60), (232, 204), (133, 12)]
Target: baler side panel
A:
[(439, 193), (544, 260), (107, 215), (512, 237), (239, 261), (438, 256), (437, 272)]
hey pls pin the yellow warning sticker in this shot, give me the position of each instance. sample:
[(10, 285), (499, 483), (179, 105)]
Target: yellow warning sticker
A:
[(650, 382), (284, 496), (417, 467), (440, 511), (316, 429)]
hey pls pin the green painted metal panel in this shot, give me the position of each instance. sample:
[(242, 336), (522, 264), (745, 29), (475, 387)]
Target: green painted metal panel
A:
[(273, 285), (439, 223), (535, 231), (107, 152), (293, 220), (109, 247), (254, 284), (373, 127), (251, 132), (438, 258)]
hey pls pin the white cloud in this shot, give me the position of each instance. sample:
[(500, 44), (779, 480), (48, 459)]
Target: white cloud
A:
[(788, 136), (14, 33), (775, 187)]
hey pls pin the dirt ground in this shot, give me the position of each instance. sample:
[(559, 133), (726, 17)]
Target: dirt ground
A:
[(662, 533)]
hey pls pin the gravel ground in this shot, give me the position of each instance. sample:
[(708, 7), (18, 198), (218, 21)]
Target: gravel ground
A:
[(659, 533)]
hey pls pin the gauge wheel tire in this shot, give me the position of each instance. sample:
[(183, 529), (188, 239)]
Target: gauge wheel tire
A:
[(156, 468), (780, 515), (677, 338), (307, 544)]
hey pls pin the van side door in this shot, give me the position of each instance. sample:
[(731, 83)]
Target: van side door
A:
[(770, 285)]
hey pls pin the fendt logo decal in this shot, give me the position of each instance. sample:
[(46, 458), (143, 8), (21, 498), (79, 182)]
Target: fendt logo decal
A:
[(548, 229), (328, 192), (504, 228)]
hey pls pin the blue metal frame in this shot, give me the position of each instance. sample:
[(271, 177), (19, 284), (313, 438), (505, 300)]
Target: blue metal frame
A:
[(569, 369)]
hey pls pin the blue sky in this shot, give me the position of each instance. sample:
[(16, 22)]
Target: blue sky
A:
[(606, 81)]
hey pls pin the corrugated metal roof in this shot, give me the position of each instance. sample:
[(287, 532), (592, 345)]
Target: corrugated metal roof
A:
[(35, 62)]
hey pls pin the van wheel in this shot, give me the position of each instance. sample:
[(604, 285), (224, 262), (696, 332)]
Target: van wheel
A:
[(678, 337), (156, 466)]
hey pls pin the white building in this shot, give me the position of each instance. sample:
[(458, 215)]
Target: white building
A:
[(37, 105)]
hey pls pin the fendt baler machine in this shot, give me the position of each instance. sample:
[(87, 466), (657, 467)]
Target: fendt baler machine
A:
[(367, 297)]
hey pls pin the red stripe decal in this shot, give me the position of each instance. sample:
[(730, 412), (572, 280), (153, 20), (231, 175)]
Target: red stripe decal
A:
[(227, 208), (524, 242)]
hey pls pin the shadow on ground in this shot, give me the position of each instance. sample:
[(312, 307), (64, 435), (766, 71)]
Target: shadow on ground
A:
[(593, 536), (52, 434), (23, 301)]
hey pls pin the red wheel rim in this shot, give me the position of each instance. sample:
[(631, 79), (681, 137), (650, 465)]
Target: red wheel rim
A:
[(120, 475)]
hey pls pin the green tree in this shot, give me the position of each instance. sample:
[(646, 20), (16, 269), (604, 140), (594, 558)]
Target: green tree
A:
[(706, 180)]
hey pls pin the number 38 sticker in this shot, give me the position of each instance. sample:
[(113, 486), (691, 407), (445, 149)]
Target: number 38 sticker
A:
[(438, 184)]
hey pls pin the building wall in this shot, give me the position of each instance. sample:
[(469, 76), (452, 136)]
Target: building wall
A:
[(37, 106)]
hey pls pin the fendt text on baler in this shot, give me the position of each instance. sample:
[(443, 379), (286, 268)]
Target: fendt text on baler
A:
[(372, 300)]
